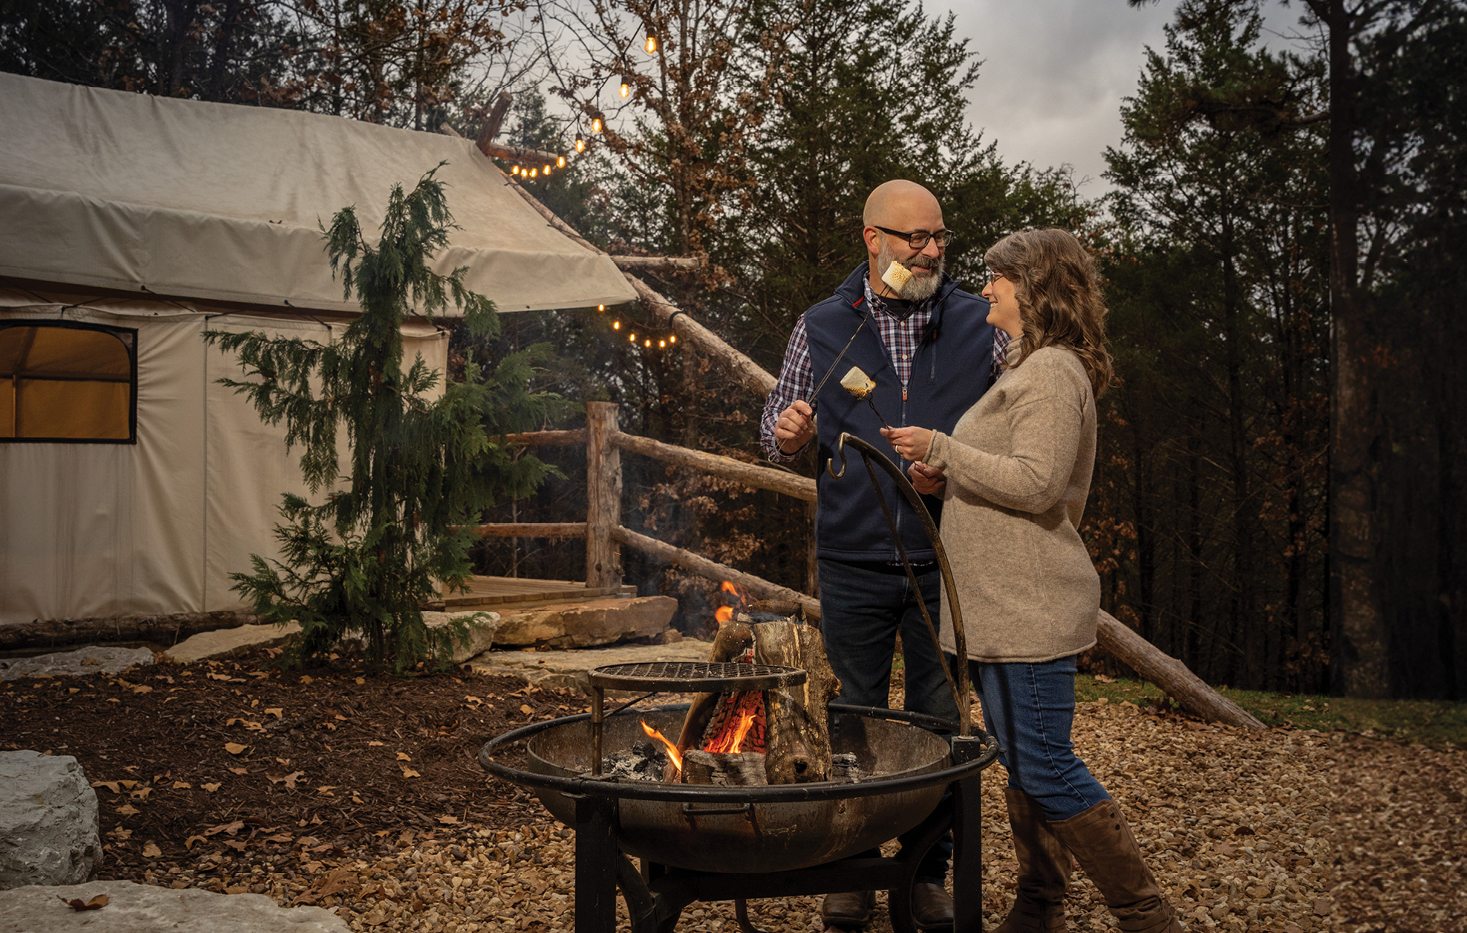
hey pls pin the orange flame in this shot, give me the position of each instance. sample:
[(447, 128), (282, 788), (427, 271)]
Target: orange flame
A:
[(672, 753), (723, 614), (746, 722), (728, 586)]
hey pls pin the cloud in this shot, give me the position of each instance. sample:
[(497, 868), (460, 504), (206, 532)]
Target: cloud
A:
[(1055, 73)]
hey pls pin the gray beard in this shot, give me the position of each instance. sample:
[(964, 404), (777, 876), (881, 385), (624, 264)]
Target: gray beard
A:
[(918, 289)]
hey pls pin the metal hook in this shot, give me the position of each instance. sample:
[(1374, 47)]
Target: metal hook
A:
[(840, 448)]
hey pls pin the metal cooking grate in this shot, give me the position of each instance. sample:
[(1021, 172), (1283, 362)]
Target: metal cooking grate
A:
[(695, 676)]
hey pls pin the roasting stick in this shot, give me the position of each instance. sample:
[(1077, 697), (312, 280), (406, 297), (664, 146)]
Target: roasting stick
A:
[(860, 385)]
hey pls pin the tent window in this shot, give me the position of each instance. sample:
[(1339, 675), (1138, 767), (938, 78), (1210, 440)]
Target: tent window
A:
[(68, 382)]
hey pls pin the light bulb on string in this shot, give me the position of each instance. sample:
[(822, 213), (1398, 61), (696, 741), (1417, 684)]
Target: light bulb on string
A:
[(596, 124), (616, 325), (647, 343), (625, 90), (650, 46), (662, 344), (601, 309), (580, 144), (672, 338), (534, 173), (560, 161), (515, 170), (632, 338)]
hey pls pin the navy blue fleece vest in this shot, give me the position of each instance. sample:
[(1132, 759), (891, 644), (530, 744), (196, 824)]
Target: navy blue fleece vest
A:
[(952, 367)]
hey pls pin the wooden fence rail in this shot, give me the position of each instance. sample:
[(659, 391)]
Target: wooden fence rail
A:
[(605, 537), (602, 529)]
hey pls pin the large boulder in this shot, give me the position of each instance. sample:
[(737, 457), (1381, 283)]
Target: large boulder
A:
[(139, 908), (48, 821)]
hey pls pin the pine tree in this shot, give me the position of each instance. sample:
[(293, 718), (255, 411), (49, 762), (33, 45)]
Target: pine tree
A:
[(364, 560)]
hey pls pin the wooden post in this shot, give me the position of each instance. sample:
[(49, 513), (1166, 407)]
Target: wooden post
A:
[(603, 496)]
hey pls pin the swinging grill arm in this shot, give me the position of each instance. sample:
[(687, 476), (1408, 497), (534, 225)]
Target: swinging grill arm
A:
[(871, 455)]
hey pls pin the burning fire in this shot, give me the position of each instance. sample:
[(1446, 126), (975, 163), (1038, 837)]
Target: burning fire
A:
[(673, 754), (733, 740), (726, 613)]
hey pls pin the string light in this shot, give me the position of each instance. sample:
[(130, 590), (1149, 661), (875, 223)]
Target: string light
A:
[(647, 343), (601, 309), (515, 170), (580, 144), (651, 44), (625, 90), (616, 325), (596, 124), (534, 173), (631, 338), (560, 161), (662, 344), (672, 338), (639, 336)]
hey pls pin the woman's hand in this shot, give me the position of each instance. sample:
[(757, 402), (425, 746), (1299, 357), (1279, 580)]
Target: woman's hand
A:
[(909, 443), (928, 480)]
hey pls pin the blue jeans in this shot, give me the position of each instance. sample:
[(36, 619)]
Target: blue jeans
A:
[(1029, 709), (862, 608)]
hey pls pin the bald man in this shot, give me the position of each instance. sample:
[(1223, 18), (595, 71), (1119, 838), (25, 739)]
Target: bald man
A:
[(931, 354)]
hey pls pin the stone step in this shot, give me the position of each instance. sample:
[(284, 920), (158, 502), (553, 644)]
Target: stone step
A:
[(585, 623), (567, 668), (141, 908)]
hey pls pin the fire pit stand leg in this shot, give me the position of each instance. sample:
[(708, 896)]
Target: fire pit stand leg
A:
[(968, 839), (597, 855)]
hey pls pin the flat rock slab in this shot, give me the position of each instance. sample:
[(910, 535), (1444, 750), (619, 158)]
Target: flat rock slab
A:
[(587, 623), (79, 663), (568, 668), (224, 640), (140, 908)]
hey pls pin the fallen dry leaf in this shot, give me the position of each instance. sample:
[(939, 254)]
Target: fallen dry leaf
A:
[(181, 785), (234, 748), (96, 903), (151, 851), (128, 809), (230, 828), (276, 711), (189, 842), (210, 788), (409, 772), (404, 756)]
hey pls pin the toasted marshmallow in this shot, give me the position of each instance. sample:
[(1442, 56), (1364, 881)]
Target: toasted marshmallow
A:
[(856, 382), (897, 276)]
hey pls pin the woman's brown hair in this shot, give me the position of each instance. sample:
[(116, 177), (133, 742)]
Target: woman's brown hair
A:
[(1058, 290)]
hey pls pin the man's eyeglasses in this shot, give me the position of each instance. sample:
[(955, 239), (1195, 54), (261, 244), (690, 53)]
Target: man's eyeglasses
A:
[(917, 239)]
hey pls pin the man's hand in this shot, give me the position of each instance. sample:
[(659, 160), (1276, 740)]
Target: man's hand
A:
[(795, 428), (928, 480), (909, 443)]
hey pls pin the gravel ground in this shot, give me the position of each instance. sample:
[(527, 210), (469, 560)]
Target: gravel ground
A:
[(1284, 831), (360, 794)]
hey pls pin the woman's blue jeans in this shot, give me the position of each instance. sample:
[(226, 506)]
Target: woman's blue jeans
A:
[(1030, 709)]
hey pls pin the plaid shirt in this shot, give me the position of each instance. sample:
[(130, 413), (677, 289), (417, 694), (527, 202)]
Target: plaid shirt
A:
[(900, 336)]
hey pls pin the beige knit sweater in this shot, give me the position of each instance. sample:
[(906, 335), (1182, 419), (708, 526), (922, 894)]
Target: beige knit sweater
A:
[(1018, 468)]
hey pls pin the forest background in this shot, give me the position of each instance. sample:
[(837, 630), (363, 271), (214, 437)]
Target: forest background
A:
[(1281, 494)]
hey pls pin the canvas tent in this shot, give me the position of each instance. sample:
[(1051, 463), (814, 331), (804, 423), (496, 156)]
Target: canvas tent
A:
[(131, 482)]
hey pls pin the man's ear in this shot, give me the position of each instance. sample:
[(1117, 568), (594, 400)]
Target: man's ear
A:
[(870, 234)]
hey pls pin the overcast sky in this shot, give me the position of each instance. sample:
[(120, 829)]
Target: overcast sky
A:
[(1054, 73)]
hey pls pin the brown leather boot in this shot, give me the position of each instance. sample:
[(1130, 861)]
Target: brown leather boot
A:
[(1044, 870), (1103, 845), (848, 910)]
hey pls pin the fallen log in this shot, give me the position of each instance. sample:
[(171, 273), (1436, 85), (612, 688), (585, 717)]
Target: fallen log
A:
[(1174, 678)]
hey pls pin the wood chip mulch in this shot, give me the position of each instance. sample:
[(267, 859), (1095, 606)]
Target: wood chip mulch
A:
[(361, 793)]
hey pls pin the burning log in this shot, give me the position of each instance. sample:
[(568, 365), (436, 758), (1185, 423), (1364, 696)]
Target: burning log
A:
[(784, 732)]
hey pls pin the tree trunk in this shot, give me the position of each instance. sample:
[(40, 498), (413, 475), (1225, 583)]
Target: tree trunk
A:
[(1358, 623)]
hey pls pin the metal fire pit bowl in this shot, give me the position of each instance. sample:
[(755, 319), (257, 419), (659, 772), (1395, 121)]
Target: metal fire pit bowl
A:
[(758, 829)]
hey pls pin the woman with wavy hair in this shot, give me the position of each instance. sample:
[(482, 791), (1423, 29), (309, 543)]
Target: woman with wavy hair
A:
[(1015, 474)]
